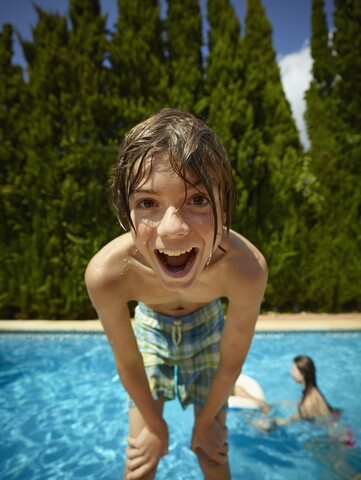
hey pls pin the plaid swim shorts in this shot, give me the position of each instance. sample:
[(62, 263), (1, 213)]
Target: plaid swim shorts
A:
[(180, 353)]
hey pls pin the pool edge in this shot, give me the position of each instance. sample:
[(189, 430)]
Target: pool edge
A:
[(270, 322)]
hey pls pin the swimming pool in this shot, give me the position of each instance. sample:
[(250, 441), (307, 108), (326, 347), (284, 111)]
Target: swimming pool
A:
[(63, 412)]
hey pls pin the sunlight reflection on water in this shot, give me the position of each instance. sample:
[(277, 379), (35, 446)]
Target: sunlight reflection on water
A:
[(63, 412)]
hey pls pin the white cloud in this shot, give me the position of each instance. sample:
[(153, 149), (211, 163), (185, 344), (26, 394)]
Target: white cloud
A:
[(296, 75)]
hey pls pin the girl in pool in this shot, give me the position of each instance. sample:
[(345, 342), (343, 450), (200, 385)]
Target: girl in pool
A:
[(313, 403), (333, 448)]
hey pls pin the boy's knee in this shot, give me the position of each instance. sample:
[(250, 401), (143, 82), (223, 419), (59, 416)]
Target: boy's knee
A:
[(212, 469), (133, 475), (134, 469)]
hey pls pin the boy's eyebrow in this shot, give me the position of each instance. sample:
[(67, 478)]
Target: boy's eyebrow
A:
[(141, 190), (153, 192)]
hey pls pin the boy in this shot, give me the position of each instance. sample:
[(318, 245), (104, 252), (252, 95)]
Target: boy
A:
[(173, 192)]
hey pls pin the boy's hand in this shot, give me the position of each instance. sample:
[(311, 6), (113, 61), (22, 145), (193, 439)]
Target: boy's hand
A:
[(145, 450), (211, 437)]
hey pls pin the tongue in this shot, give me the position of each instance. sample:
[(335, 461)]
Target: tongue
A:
[(177, 261)]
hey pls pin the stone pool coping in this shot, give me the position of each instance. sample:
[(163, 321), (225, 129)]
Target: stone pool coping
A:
[(269, 322)]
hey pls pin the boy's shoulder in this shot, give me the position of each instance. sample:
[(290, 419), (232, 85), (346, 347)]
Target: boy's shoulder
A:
[(243, 257), (110, 265), (245, 268)]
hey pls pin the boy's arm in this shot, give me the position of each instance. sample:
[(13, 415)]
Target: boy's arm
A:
[(243, 309), (114, 315)]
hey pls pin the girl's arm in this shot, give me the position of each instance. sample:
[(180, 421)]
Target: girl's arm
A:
[(286, 421)]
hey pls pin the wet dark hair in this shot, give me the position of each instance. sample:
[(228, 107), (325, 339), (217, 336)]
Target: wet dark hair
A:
[(306, 366), (192, 148)]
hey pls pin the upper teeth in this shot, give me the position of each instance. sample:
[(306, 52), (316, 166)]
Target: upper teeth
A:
[(174, 253)]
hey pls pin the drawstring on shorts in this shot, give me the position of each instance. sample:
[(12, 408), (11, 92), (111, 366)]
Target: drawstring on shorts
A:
[(176, 331)]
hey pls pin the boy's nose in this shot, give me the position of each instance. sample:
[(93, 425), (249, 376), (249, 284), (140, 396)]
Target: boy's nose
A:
[(172, 224)]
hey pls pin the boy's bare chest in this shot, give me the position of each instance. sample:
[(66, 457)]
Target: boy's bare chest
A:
[(147, 289)]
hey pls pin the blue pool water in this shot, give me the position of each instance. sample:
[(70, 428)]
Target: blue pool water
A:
[(63, 411)]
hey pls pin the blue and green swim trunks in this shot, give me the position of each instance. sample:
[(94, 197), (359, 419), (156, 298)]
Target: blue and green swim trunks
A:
[(180, 353)]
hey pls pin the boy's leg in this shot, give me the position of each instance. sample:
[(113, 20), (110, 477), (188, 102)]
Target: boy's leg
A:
[(212, 470), (136, 425)]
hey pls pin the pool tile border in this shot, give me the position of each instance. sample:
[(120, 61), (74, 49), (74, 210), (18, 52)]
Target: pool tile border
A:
[(65, 335), (270, 322)]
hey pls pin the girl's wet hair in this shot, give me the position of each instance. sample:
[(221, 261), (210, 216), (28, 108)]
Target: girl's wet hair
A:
[(306, 366), (192, 148)]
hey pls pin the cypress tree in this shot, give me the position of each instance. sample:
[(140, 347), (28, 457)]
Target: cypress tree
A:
[(12, 201), (224, 102), (42, 270), (347, 97), (89, 77), (347, 45), (269, 163), (139, 78), (184, 42), (332, 117), (323, 64), (321, 133), (86, 153)]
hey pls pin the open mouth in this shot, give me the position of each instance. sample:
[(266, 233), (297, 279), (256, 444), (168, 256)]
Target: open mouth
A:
[(177, 261)]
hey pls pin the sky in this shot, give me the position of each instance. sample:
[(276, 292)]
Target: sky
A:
[(290, 19)]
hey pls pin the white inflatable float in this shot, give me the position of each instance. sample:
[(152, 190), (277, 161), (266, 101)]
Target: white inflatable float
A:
[(251, 387)]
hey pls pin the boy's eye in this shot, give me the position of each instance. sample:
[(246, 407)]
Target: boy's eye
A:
[(146, 203), (199, 201)]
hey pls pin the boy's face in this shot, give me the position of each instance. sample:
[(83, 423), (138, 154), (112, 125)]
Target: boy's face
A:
[(175, 239)]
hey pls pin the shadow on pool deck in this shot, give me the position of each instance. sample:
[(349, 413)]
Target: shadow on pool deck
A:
[(270, 322)]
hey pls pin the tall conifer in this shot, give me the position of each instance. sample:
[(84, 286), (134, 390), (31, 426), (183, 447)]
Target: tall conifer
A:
[(321, 133), (139, 78), (269, 161), (87, 53), (347, 95), (333, 121), (39, 281), (184, 42), (347, 46), (12, 201), (323, 64), (87, 153), (225, 103)]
